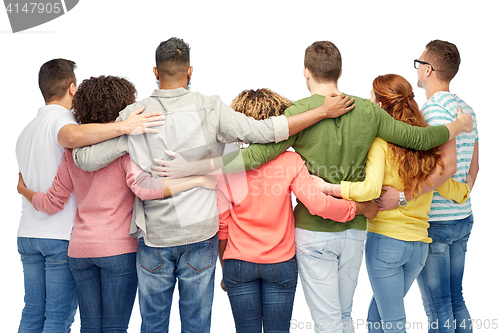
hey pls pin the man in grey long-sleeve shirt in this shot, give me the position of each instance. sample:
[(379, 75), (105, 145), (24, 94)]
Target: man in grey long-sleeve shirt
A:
[(178, 234)]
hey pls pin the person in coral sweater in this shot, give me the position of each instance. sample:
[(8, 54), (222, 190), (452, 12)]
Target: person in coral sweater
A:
[(102, 254), (257, 227)]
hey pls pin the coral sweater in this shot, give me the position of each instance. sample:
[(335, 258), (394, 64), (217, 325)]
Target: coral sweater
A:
[(256, 213), (105, 201)]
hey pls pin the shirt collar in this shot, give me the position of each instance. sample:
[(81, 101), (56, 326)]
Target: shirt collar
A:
[(170, 92)]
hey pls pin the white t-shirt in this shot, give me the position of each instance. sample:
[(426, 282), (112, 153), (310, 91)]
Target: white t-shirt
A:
[(38, 156)]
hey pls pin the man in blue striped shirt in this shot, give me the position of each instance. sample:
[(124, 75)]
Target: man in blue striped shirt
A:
[(450, 223)]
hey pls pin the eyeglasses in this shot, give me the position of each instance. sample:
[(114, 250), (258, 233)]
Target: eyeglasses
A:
[(417, 63)]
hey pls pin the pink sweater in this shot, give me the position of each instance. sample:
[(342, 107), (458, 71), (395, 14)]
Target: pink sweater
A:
[(105, 201), (256, 214)]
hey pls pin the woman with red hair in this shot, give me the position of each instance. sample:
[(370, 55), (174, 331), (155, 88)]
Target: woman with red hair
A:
[(397, 241)]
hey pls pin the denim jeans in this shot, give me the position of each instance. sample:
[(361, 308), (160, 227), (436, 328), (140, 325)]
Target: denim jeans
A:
[(329, 264), (106, 289), (158, 270), (261, 295), (49, 290), (392, 266), (440, 282)]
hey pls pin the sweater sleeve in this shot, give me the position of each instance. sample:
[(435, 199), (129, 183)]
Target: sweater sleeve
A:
[(407, 136), (224, 207), (255, 156), (58, 194), (371, 187), (453, 190), (140, 182), (316, 201)]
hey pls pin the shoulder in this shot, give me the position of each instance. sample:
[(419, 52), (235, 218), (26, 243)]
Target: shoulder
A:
[(304, 104)]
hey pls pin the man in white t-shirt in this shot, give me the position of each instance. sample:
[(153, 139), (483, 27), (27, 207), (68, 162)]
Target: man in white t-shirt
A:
[(50, 300)]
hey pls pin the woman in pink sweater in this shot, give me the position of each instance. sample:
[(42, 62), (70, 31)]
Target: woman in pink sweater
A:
[(102, 254), (257, 227)]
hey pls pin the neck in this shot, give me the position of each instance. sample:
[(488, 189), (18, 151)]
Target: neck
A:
[(172, 85), (65, 102), (323, 88), (436, 86)]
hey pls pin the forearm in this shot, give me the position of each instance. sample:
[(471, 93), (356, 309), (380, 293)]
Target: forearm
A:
[(25, 192), (474, 166), (222, 248), (301, 121), (88, 134), (174, 186)]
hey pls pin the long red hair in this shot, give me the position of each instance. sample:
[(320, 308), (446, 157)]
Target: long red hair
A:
[(396, 96)]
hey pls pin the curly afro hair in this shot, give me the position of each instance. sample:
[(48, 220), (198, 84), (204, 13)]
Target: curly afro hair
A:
[(100, 99)]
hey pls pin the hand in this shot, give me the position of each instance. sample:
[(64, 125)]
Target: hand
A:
[(209, 182), (369, 209), (20, 183), (222, 285), (465, 119), (137, 123), (337, 105), (178, 167), (320, 182), (389, 199)]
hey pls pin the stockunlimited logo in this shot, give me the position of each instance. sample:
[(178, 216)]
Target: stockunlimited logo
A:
[(28, 14)]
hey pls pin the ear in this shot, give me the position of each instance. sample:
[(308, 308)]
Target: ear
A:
[(190, 72), (379, 104), (72, 89), (307, 74), (155, 70)]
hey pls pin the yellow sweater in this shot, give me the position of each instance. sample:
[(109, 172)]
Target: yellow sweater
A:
[(407, 223)]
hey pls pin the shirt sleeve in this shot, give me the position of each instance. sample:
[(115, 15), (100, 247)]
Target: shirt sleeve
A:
[(371, 187), (235, 126), (453, 190), (407, 136), (98, 156), (317, 202), (58, 194), (140, 182)]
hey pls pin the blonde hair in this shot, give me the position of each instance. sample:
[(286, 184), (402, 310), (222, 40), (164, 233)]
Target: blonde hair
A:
[(260, 103)]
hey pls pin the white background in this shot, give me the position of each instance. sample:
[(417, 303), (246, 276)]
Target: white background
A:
[(257, 44)]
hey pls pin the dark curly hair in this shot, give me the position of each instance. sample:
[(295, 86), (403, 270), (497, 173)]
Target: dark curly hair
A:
[(100, 99)]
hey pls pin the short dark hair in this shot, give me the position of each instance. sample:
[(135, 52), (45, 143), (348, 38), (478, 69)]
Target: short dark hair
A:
[(172, 57), (444, 57), (55, 77), (100, 99), (323, 60)]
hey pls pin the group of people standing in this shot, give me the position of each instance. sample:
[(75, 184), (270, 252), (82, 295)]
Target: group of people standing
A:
[(146, 199)]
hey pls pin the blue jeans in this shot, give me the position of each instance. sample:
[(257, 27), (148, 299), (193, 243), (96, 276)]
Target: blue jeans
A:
[(392, 266), (49, 289), (193, 266), (440, 282), (106, 289), (329, 264), (261, 295)]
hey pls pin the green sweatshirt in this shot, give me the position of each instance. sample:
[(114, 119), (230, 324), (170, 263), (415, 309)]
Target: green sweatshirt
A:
[(336, 150)]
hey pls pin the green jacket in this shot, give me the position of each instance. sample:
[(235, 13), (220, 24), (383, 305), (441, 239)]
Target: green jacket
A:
[(336, 150)]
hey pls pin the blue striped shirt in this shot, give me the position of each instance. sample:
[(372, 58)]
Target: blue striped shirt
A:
[(441, 109)]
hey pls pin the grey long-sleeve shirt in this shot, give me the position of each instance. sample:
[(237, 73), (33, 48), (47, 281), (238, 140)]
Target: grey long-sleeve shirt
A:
[(196, 126)]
